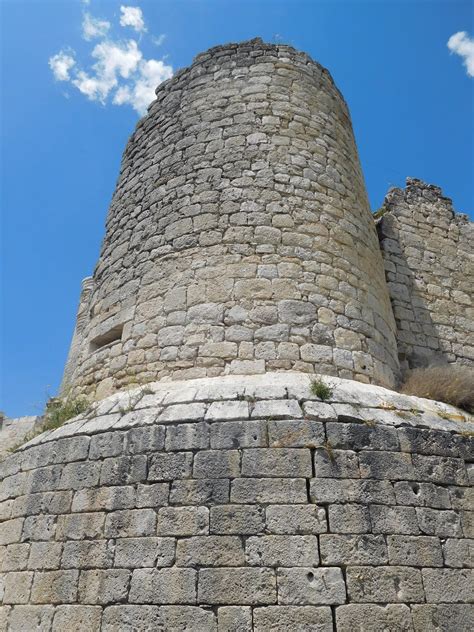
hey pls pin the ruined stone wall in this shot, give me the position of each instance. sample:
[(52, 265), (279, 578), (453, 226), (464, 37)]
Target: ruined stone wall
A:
[(242, 503), (239, 238), (428, 253)]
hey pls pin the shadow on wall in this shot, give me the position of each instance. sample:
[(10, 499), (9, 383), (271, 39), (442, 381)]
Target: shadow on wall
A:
[(425, 247)]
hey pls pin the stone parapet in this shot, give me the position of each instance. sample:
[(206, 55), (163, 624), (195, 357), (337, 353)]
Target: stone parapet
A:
[(242, 503)]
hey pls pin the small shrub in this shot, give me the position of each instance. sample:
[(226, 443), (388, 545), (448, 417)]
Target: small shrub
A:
[(320, 389), (449, 384), (57, 412)]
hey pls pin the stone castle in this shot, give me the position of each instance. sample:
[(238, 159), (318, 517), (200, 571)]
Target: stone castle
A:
[(209, 487)]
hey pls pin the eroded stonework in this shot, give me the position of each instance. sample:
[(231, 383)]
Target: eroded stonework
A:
[(239, 238), (242, 503), (428, 252)]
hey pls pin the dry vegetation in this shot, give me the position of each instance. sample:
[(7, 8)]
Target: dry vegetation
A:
[(450, 384)]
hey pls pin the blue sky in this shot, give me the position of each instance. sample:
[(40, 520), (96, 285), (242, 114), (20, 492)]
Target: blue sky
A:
[(411, 102)]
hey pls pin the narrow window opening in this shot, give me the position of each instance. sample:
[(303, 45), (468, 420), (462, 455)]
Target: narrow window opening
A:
[(113, 335)]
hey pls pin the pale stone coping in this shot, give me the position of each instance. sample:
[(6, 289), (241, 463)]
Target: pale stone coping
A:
[(272, 395)]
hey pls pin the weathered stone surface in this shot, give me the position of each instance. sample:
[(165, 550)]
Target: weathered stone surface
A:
[(372, 618), (246, 586), (315, 586), (301, 618)]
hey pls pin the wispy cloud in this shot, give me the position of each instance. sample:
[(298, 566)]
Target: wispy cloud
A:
[(94, 27), (61, 64), (463, 45), (118, 72), (133, 17)]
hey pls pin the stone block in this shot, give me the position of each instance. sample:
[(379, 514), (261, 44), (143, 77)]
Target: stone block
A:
[(152, 495), (227, 411), (277, 462), (393, 519), (296, 434), (242, 586), (329, 463), (349, 519), (345, 550), (301, 519), (352, 436), (130, 523), (79, 475), (188, 436), (55, 587), (26, 618), (319, 411), (282, 550), (183, 521), (276, 409), (234, 619), (124, 470), (146, 439), (386, 465), (103, 586), (106, 444), (326, 490), (169, 466), (163, 586), (77, 618), (188, 618), (461, 497), (45, 555), (443, 618), (439, 522), (14, 557), (10, 531), (414, 550), (458, 553), (100, 498), (384, 584), (372, 618), (144, 552), (183, 412), (237, 519), (422, 494), (311, 586), (448, 585), (268, 490), (217, 464), (130, 618), (297, 618), (211, 550), (238, 434), (87, 554), (17, 587), (199, 492), (80, 526), (439, 469)]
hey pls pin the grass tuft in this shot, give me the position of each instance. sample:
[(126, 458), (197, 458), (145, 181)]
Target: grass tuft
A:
[(451, 384), (320, 389)]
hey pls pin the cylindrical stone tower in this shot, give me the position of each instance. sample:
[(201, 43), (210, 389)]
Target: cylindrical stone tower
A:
[(239, 238)]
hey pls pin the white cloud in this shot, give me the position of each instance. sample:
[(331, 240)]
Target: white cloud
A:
[(158, 41), (113, 61), (93, 27), (61, 64), (133, 17), (463, 45), (117, 73), (139, 95)]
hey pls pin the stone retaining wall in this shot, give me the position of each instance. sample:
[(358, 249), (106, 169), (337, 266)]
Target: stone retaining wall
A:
[(239, 504)]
